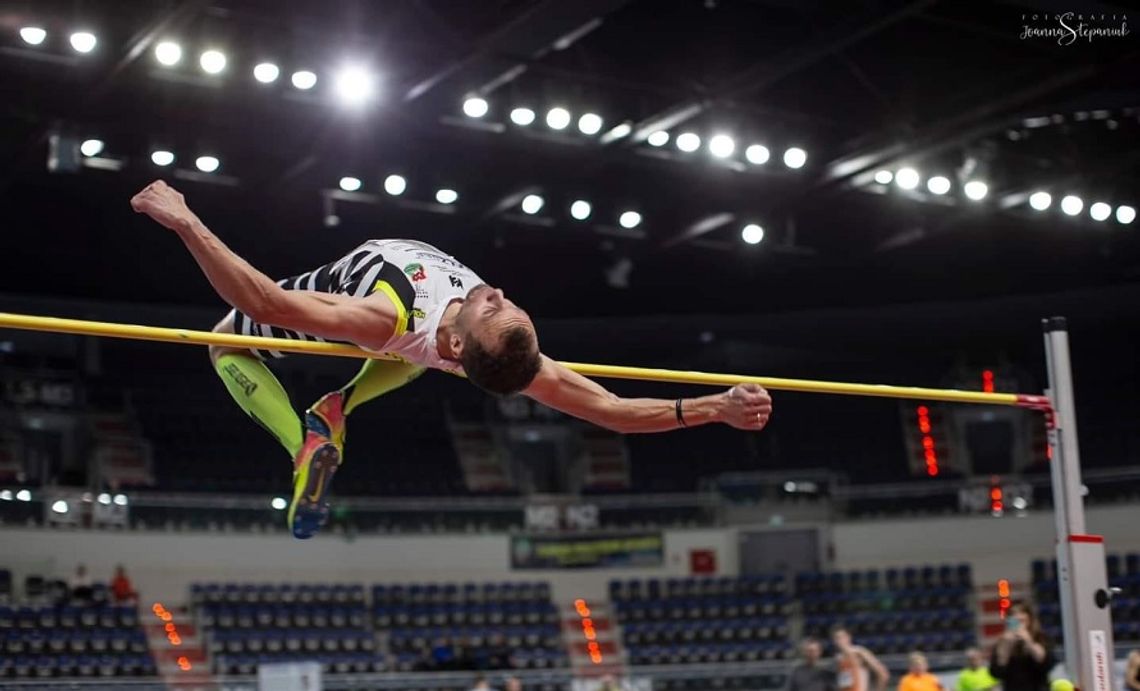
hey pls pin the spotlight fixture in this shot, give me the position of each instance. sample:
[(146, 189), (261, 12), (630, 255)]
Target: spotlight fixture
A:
[(350, 184), (33, 35), (658, 138), (266, 72), (1040, 200), (446, 196), (630, 219), (207, 164), (580, 210), (395, 185), (1125, 214), (59, 506), (304, 80), (475, 107), (884, 177), (795, 157), (532, 204), (688, 142), (722, 146), (557, 118), (212, 61), (522, 116), (83, 41), (168, 53), (757, 154), (279, 503), (1100, 211), (91, 147), (907, 178), (976, 190), (162, 157), (353, 85), (752, 234), (938, 185), (23, 495), (1071, 204), (590, 124)]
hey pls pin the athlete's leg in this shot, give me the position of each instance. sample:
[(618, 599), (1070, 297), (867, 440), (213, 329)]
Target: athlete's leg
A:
[(256, 390), (376, 378)]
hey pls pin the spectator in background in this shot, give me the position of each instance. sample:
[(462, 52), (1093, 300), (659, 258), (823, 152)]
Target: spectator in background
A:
[(498, 653), (854, 664), (810, 675), (1023, 655), (121, 588), (80, 585), (975, 676), (481, 684), (1132, 671), (512, 684), (918, 676), (609, 684)]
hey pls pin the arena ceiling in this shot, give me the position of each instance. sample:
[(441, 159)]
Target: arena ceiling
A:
[(995, 92)]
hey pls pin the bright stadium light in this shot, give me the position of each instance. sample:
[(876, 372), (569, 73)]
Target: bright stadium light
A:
[(33, 35), (23, 495), (162, 157), (475, 107), (207, 164), (266, 72), (446, 196), (532, 204), (350, 184), (168, 53), (279, 503), (590, 124), (688, 142), (757, 154), (907, 178), (91, 147), (104, 499), (212, 61), (59, 506), (976, 190), (354, 85), (1100, 211), (722, 146), (658, 138), (938, 185), (752, 234), (304, 80), (395, 185), (557, 118), (630, 219), (580, 210), (795, 157), (1071, 204), (884, 177), (83, 41), (120, 500), (522, 116), (1040, 200), (1125, 214)]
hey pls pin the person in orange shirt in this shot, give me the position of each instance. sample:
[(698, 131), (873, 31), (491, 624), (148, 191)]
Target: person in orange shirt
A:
[(918, 677), (852, 663)]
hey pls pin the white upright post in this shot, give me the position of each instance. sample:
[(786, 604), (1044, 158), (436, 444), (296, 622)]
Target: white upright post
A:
[(1081, 574)]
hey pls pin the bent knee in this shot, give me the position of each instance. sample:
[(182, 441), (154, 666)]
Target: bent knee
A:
[(225, 326)]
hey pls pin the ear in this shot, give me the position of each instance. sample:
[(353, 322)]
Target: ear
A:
[(455, 343)]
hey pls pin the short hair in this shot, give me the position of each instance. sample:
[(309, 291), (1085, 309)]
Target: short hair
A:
[(840, 627), (507, 371)]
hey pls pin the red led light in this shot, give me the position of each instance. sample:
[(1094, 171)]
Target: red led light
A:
[(995, 493), (923, 411), (588, 631), (924, 428), (997, 506)]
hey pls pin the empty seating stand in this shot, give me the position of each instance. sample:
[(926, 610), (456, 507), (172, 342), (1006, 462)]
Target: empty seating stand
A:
[(1123, 572), (896, 610)]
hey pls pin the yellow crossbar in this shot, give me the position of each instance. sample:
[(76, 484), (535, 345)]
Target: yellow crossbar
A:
[(155, 333)]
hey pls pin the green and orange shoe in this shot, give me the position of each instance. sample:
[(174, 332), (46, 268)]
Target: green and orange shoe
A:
[(314, 465)]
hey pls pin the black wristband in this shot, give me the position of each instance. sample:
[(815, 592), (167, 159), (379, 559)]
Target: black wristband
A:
[(680, 415)]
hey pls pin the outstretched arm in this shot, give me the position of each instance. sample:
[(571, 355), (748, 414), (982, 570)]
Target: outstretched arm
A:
[(368, 322), (746, 406)]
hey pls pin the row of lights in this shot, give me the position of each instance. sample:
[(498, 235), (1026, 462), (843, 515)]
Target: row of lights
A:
[(159, 157), (353, 83), (558, 118), (976, 190), (61, 506)]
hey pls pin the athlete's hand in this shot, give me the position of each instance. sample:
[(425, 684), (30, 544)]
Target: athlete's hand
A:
[(746, 406), (165, 205)]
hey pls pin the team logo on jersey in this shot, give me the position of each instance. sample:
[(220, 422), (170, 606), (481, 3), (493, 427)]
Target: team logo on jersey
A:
[(455, 282), (417, 313), (416, 272)]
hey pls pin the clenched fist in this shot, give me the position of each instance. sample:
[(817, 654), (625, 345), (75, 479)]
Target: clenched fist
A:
[(746, 406), (164, 204)]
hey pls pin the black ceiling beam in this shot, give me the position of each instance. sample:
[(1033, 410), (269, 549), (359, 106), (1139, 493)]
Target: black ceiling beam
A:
[(764, 74), (548, 25)]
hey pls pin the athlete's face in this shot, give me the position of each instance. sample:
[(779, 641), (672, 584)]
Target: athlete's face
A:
[(486, 313)]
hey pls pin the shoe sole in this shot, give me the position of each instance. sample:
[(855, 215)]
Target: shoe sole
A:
[(309, 511)]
